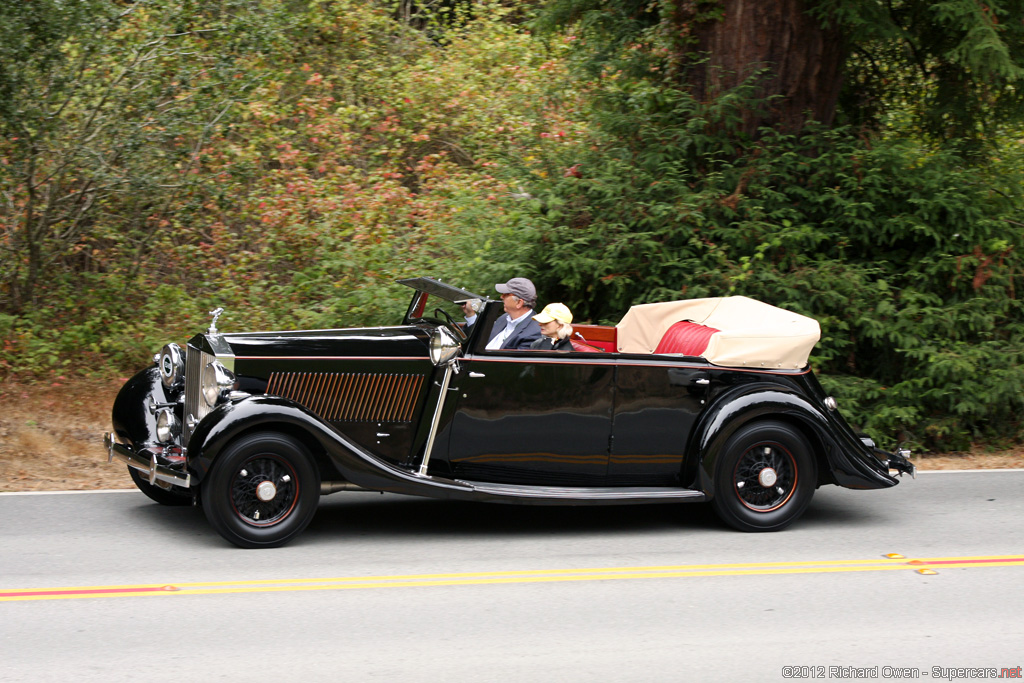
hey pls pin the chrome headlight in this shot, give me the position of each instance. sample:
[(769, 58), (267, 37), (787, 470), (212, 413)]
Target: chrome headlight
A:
[(217, 381), (443, 346), (168, 427), (171, 362)]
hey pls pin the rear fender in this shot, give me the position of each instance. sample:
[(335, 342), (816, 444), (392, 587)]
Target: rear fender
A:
[(842, 458)]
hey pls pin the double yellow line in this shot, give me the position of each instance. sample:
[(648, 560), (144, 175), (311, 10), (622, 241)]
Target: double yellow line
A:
[(891, 562)]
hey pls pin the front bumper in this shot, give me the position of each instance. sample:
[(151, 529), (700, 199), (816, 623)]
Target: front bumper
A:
[(146, 462)]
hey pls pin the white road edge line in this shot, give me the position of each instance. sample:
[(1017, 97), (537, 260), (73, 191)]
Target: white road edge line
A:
[(65, 493), (994, 469)]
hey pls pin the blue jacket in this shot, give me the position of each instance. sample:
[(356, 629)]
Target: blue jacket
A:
[(524, 334)]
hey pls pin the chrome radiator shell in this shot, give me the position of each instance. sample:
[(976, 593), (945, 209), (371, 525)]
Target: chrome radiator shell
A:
[(196, 409)]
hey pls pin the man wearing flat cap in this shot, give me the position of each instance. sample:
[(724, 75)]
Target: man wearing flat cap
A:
[(516, 329)]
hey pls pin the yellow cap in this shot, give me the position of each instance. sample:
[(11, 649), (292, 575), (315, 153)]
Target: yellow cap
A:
[(559, 312)]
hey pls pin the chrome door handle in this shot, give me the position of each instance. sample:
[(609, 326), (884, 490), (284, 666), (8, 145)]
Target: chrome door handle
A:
[(702, 380), (477, 374)]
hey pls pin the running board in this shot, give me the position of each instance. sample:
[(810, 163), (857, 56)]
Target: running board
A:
[(603, 494)]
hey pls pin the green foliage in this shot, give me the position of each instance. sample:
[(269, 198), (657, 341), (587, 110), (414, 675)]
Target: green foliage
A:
[(34, 45), (896, 231), (110, 110), (951, 71), (909, 258), (289, 161)]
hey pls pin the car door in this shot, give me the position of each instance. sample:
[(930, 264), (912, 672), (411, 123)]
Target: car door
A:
[(656, 406), (532, 417)]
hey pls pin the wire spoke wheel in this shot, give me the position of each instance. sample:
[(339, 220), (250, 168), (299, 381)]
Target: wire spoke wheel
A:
[(765, 477), (262, 490)]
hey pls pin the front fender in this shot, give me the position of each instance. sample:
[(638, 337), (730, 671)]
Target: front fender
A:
[(848, 461), (132, 418), (354, 463)]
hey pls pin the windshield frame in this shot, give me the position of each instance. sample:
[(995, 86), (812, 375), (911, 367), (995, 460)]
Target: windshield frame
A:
[(427, 286)]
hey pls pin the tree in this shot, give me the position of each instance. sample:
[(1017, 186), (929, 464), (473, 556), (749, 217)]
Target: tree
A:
[(287, 161), (956, 66), (102, 104), (794, 58)]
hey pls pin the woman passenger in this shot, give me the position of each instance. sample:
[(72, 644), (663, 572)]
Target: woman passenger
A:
[(554, 328)]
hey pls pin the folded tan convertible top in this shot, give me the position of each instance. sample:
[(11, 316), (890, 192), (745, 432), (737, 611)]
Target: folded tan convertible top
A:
[(752, 333)]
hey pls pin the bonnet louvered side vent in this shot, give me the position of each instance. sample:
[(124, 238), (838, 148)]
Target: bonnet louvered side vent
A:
[(350, 397)]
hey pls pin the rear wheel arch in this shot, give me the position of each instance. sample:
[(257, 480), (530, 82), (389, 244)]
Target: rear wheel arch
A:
[(815, 443), (711, 436)]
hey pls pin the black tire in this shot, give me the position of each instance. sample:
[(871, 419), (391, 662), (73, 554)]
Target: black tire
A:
[(241, 511), (176, 495), (765, 477)]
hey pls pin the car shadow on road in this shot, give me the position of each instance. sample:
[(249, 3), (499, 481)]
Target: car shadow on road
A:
[(394, 516), (397, 516), (831, 508), (172, 521)]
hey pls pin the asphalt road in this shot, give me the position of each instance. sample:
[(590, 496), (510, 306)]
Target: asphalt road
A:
[(109, 586)]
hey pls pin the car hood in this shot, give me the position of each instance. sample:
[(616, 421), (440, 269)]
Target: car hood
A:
[(367, 341)]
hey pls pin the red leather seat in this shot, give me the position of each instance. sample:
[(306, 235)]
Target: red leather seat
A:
[(601, 337), (685, 337), (583, 346)]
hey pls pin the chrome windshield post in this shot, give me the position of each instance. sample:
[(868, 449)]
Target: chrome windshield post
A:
[(449, 370)]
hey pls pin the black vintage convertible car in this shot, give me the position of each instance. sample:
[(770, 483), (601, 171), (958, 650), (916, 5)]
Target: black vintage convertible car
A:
[(686, 401)]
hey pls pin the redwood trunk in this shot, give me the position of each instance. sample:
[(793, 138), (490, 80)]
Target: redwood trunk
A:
[(803, 59)]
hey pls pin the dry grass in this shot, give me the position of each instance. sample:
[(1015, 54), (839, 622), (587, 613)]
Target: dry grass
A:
[(51, 436), (51, 439)]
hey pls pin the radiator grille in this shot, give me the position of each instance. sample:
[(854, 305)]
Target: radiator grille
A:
[(195, 406), (350, 397)]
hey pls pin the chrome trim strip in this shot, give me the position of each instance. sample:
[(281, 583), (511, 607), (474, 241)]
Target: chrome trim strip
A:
[(381, 358), (617, 360), (586, 493), (449, 370)]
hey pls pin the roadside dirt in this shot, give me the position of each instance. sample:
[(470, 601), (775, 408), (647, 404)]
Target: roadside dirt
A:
[(51, 436), (51, 439)]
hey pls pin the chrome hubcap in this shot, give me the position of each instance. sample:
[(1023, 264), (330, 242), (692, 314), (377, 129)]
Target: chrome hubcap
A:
[(767, 477), (266, 491)]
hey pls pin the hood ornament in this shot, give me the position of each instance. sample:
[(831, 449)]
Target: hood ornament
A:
[(216, 313)]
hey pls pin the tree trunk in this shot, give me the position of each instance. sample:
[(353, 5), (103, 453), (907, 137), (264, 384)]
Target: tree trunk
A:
[(803, 59)]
